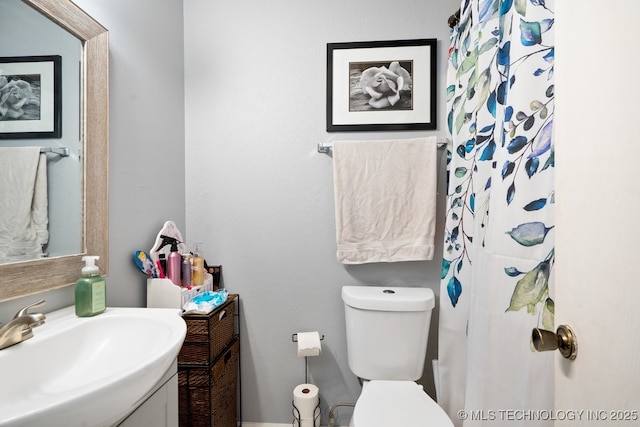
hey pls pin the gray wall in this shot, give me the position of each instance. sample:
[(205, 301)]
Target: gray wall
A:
[(147, 166), (259, 195)]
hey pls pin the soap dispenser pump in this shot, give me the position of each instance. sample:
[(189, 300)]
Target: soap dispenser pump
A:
[(90, 290)]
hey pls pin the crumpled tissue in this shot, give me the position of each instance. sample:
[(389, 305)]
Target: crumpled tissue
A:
[(206, 302)]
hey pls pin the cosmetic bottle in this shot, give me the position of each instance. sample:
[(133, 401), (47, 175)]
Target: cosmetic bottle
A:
[(90, 290), (197, 267), (174, 263), (163, 263), (186, 270)]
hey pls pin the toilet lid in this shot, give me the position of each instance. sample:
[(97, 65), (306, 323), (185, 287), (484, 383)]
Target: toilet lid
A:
[(397, 403)]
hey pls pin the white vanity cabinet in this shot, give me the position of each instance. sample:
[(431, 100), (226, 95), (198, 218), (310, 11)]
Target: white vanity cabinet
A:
[(160, 407)]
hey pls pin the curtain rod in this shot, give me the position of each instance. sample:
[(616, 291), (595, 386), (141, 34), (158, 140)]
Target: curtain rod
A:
[(325, 147), (454, 19)]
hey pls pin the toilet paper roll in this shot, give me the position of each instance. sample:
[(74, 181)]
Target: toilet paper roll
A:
[(305, 399), (309, 344)]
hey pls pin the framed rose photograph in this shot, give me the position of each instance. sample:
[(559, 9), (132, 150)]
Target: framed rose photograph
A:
[(381, 85), (30, 97)]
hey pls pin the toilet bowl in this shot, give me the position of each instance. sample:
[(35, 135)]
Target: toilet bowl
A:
[(385, 403)]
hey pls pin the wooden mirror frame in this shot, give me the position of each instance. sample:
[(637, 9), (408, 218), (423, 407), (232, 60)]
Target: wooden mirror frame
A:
[(29, 277)]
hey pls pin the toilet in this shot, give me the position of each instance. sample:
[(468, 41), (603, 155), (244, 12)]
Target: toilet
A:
[(387, 331)]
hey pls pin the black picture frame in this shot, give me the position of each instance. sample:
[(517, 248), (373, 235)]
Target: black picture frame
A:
[(30, 97), (351, 107)]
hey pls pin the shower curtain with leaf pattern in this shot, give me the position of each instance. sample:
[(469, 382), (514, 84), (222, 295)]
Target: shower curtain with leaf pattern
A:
[(499, 248)]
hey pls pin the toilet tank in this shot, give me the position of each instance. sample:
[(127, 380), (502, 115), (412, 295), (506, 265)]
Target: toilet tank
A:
[(387, 331)]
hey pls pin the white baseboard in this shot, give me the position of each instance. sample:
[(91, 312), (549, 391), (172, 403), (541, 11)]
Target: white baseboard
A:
[(264, 425), (245, 424)]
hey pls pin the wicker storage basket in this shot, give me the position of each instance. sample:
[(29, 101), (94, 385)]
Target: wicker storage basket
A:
[(208, 396), (208, 334)]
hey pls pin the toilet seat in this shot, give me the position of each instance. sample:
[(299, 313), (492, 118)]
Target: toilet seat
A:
[(397, 403)]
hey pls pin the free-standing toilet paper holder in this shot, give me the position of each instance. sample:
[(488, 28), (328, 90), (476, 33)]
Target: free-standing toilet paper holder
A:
[(297, 419), (294, 338)]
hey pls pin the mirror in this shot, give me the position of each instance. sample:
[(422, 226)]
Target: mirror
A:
[(56, 230), (29, 277)]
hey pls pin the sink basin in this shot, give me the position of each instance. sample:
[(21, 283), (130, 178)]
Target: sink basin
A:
[(90, 371)]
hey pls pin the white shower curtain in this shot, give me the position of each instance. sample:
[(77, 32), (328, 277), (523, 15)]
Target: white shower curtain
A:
[(499, 246)]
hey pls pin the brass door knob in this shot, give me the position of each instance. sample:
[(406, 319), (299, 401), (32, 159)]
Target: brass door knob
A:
[(564, 339)]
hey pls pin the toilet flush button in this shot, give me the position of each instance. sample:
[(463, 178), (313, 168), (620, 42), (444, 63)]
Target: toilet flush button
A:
[(389, 291)]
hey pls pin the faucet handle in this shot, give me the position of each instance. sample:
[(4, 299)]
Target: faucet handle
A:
[(26, 309)]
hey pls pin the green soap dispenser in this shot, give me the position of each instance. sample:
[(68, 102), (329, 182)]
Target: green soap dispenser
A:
[(91, 289)]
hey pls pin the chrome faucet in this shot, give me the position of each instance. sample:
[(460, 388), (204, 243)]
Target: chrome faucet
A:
[(20, 328)]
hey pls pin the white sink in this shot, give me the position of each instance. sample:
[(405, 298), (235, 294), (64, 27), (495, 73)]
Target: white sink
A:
[(88, 371)]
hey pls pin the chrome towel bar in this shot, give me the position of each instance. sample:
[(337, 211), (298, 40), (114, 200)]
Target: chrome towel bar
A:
[(61, 151), (325, 147)]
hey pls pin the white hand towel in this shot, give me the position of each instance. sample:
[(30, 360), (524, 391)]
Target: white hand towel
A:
[(385, 199), (23, 203)]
